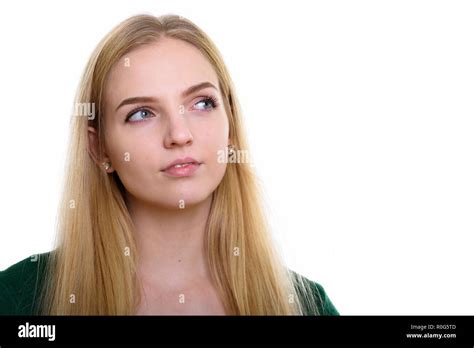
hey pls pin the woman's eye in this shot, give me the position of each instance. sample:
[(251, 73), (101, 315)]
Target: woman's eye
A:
[(206, 103), (138, 115)]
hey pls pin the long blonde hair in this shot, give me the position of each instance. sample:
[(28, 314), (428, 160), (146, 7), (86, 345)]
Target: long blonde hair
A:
[(92, 270)]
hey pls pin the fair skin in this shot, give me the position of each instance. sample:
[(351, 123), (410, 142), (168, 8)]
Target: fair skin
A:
[(169, 213)]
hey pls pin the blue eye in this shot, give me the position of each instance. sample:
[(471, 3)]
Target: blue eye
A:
[(138, 115), (210, 101), (141, 114)]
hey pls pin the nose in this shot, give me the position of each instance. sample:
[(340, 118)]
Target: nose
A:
[(177, 131)]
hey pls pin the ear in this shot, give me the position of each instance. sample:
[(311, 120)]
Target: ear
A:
[(93, 150)]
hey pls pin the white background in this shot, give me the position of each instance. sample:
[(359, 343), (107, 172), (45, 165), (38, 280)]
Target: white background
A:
[(359, 115)]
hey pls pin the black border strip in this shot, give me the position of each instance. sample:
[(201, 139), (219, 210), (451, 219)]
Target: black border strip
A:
[(224, 330)]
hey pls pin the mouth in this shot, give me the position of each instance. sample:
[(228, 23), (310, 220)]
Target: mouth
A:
[(181, 162), (182, 167)]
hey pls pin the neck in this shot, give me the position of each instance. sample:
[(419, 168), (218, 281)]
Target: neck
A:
[(171, 242)]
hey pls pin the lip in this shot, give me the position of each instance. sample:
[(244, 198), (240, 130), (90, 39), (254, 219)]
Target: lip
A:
[(187, 170)]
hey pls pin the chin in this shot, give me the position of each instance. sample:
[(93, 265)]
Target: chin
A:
[(188, 199)]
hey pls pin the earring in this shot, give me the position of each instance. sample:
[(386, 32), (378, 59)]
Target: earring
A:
[(231, 150), (106, 165)]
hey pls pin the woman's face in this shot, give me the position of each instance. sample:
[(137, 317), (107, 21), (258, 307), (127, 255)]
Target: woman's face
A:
[(143, 137)]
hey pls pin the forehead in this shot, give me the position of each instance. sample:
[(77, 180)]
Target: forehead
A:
[(168, 66)]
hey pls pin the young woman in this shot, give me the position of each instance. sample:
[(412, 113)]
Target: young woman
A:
[(157, 216)]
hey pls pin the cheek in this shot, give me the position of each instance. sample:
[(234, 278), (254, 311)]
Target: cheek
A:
[(130, 156), (213, 139), (216, 130), (215, 143), (118, 148)]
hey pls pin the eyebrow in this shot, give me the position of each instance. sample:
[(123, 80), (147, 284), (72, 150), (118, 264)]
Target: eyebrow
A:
[(190, 90)]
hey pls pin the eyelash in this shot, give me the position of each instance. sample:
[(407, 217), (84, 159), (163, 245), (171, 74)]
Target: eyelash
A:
[(209, 98)]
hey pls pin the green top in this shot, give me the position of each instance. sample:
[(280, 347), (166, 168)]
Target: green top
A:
[(21, 283)]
